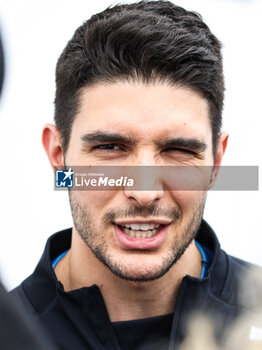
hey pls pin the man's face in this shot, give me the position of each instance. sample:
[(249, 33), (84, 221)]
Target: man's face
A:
[(139, 235)]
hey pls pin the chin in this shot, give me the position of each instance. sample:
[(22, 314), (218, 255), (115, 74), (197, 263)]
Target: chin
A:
[(140, 268), (141, 274)]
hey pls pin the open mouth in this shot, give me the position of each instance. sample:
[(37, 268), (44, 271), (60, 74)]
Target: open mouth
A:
[(140, 230), (141, 235)]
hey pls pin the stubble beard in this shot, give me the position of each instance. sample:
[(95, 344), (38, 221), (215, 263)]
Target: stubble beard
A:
[(86, 228)]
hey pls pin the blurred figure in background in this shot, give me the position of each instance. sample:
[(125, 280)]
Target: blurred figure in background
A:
[(17, 331)]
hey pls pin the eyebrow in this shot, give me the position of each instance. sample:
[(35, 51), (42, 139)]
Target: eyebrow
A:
[(188, 143), (103, 137), (108, 137)]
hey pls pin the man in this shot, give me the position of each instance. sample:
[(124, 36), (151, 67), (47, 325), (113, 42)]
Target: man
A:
[(137, 85)]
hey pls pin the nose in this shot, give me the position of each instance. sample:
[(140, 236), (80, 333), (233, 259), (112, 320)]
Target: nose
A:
[(148, 183), (143, 198)]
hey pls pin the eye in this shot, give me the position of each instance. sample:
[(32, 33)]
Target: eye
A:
[(180, 150), (110, 147)]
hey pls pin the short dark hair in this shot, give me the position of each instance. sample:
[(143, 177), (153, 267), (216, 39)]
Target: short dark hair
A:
[(148, 41)]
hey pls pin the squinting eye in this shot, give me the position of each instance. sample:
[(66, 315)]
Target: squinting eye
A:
[(108, 147), (180, 150)]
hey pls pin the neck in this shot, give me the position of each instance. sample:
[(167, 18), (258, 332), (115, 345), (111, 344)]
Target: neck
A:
[(126, 300)]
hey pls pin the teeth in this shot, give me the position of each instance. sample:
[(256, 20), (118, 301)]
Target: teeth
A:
[(142, 226), (139, 234), (131, 233), (140, 230)]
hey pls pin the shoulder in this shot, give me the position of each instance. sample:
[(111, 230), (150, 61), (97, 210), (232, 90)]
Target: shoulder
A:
[(246, 282), (17, 326), (233, 281), (20, 297), (241, 284), (38, 291), (241, 268)]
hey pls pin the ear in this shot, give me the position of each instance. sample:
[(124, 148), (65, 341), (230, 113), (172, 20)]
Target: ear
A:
[(51, 139), (221, 148)]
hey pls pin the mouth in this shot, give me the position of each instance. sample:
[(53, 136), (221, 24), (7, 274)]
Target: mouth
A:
[(141, 235), (140, 230)]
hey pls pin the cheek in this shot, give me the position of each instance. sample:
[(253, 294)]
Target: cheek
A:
[(96, 200), (188, 201)]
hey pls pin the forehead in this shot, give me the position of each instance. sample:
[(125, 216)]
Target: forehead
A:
[(143, 110)]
